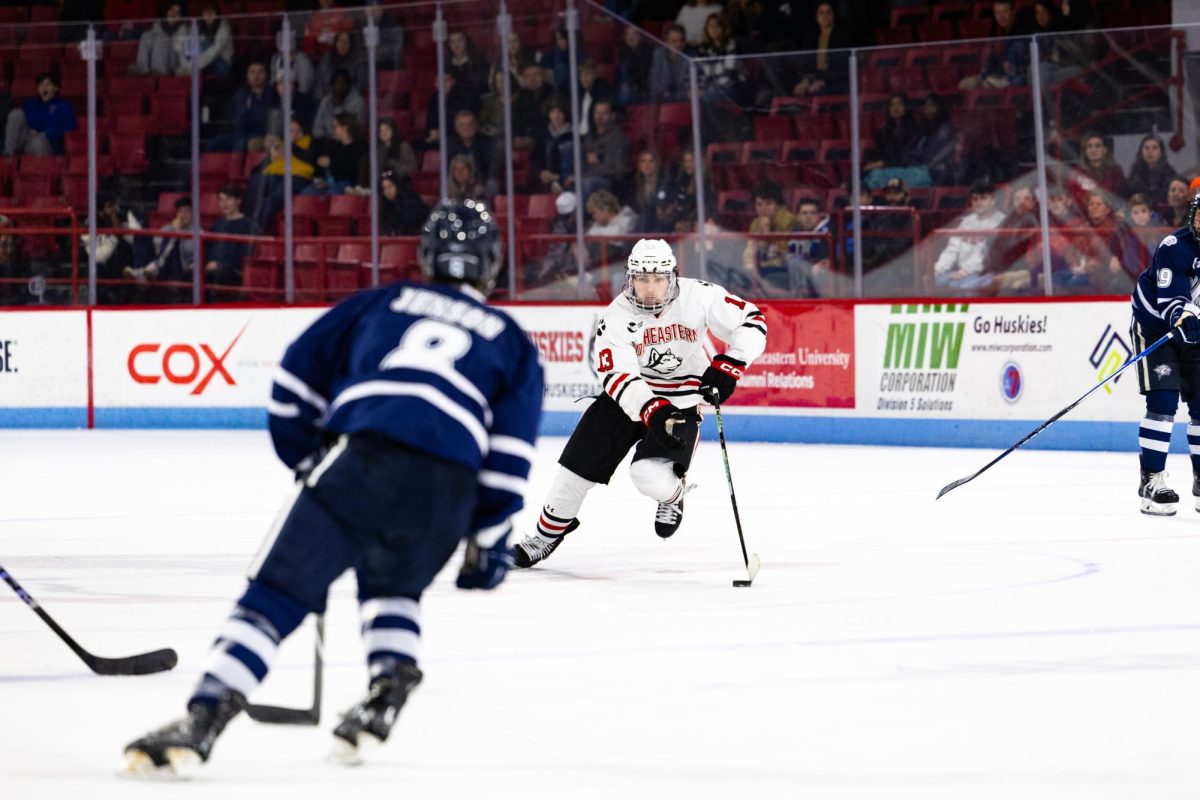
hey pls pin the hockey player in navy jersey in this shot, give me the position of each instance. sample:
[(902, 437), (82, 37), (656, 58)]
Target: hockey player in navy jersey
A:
[(409, 413), (1165, 298), (650, 353)]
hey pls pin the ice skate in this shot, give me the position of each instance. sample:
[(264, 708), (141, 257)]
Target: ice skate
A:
[(535, 547), (669, 516), (368, 724), (1196, 489), (181, 746), (1158, 499)]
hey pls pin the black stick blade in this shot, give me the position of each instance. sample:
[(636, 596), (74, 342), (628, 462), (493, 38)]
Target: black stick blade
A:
[(143, 664), (952, 485), (276, 715)]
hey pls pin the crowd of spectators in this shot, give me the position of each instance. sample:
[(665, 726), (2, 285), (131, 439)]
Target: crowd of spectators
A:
[(640, 180)]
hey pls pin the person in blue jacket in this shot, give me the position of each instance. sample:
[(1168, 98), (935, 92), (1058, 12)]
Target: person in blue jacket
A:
[(1165, 301), (409, 413)]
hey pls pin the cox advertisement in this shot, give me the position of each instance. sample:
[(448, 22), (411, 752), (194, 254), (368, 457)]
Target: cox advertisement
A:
[(161, 366), (43, 368), (994, 360)]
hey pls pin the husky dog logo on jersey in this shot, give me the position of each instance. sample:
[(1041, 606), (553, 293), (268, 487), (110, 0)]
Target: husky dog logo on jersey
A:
[(664, 363)]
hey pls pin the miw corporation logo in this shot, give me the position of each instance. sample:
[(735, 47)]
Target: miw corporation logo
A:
[(914, 341), (180, 363)]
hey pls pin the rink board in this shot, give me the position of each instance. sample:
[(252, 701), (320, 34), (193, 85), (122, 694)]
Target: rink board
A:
[(977, 375)]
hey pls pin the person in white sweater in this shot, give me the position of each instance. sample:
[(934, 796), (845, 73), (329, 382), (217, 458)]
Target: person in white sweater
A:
[(960, 265)]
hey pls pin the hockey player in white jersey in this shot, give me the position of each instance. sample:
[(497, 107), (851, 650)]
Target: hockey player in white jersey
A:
[(650, 354)]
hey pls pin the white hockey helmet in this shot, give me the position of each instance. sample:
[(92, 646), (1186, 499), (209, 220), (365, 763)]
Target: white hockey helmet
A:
[(651, 256)]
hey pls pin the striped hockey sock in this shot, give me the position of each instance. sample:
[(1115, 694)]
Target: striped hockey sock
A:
[(550, 527), (1193, 434), (391, 631), (1154, 439), (247, 643)]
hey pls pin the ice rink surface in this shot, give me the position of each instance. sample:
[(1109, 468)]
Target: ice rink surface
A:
[(1031, 635)]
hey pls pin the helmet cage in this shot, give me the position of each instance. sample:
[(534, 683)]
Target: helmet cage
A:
[(1193, 207), (643, 261)]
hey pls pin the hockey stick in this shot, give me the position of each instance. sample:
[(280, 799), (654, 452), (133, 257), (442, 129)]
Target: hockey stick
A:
[(277, 715), (752, 562), (141, 664), (1056, 417)]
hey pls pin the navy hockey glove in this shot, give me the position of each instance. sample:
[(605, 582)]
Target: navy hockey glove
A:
[(720, 379), (660, 418), (485, 565), (1187, 319)]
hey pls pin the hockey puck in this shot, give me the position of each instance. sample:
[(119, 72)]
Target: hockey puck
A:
[(742, 583)]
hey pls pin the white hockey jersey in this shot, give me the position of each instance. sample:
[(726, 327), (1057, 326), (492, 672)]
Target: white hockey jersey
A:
[(640, 356)]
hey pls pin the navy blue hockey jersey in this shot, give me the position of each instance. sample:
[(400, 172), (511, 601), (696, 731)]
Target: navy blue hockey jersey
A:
[(1172, 279), (429, 366)]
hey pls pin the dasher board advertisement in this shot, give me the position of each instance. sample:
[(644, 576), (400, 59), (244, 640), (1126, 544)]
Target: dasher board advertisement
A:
[(43, 369)]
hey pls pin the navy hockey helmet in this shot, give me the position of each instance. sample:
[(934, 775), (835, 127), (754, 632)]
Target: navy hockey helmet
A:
[(460, 244), (1193, 209)]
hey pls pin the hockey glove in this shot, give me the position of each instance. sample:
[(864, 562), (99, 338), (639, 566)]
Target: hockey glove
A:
[(485, 565), (307, 464), (660, 418), (1187, 319), (720, 379)]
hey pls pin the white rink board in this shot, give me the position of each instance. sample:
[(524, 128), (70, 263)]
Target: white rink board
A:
[(43, 359), (930, 362), (170, 358)]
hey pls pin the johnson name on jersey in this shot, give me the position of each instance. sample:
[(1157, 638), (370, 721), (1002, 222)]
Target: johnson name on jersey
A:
[(428, 366), (1171, 280), (640, 356)]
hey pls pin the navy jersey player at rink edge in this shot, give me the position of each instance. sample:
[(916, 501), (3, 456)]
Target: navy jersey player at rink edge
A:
[(409, 413), (1165, 298), (650, 353)]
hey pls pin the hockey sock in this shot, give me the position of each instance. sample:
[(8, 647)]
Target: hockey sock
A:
[(1154, 439), (566, 498), (246, 645), (391, 631), (1193, 434)]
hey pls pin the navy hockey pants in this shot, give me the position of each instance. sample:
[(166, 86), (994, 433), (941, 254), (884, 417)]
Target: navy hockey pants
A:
[(392, 514)]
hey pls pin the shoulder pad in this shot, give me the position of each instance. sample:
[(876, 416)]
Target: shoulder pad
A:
[(1168, 241)]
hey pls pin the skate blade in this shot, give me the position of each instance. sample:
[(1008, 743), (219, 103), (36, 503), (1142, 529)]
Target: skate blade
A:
[(1152, 509), (141, 766), (350, 755)]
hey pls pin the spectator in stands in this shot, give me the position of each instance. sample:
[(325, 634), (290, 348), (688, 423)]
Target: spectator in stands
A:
[(304, 74), (491, 113), (1006, 62), (159, 48), (466, 140), (344, 55), (391, 35), (1151, 174), (462, 180), (468, 64), (635, 55), (934, 144), (556, 62), (250, 109), (1061, 56), (216, 46), (324, 25), (1006, 258), (592, 89), (825, 73), (609, 218), (665, 211), (1146, 225), (1096, 169), (551, 162), (264, 191), (1175, 211), (40, 125), (605, 151), (685, 180), (402, 212), (648, 178), (810, 257), (342, 164), (224, 259), (766, 258), (519, 57), (527, 113), (960, 265), (174, 257), (891, 147), (669, 80), (559, 262), (1103, 254), (116, 252), (343, 98), (1061, 210), (459, 98), (693, 18), (722, 77), (396, 156), (303, 108)]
